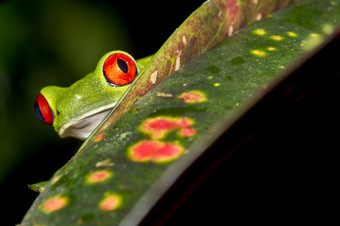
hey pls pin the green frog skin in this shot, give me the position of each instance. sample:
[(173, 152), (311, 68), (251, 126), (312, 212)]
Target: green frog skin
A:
[(77, 110)]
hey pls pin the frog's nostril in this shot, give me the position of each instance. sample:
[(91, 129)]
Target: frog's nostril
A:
[(43, 110)]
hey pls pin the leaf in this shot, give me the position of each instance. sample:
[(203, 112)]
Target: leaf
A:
[(124, 169), (204, 28), (38, 187)]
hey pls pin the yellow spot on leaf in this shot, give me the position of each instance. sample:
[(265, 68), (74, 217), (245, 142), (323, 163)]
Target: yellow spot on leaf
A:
[(291, 34), (271, 49), (105, 163), (217, 84), (258, 52), (276, 37), (164, 94), (260, 32)]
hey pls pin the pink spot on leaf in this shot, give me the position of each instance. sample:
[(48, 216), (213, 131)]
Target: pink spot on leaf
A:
[(98, 176), (155, 151), (194, 96), (187, 132), (55, 203), (110, 202), (158, 127)]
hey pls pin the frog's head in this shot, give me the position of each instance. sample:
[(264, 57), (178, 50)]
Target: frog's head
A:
[(77, 110)]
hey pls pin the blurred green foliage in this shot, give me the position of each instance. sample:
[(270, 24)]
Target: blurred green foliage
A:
[(47, 43)]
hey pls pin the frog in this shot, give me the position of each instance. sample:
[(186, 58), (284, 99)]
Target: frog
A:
[(77, 110)]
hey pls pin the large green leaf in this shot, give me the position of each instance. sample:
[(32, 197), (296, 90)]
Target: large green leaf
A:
[(210, 24), (134, 158)]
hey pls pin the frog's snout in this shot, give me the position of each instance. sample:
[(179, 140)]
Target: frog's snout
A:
[(43, 110)]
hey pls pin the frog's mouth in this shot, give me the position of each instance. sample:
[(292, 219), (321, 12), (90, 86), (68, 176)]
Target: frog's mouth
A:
[(82, 126)]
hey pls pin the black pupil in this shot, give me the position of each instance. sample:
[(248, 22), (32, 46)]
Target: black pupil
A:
[(122, 65)]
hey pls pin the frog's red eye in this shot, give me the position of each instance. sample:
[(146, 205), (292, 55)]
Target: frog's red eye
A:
[(120, 69), (43, 110)]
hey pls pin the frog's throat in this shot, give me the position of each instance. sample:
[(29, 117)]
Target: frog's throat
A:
[(81, 127)]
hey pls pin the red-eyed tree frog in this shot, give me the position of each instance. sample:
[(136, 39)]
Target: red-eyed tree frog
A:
[(78, 109)]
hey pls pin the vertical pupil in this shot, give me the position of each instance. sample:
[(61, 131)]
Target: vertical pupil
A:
[(122, 65)]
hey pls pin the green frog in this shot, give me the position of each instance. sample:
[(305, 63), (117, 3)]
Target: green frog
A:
[(78, 109)]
